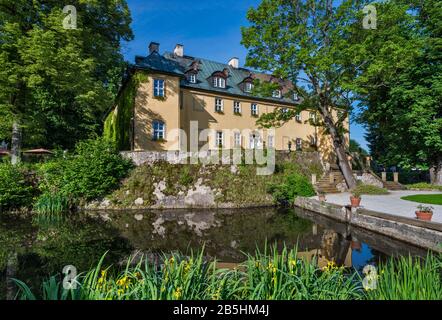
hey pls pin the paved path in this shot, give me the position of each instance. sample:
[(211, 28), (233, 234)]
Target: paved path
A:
[(391, 203)]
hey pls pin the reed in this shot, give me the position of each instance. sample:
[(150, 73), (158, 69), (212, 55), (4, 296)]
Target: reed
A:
[(51, 206), (267, 275)]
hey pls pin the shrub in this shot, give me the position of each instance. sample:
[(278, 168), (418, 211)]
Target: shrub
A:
[(15, 191), (49, 204), (94, 170), (294, 185)]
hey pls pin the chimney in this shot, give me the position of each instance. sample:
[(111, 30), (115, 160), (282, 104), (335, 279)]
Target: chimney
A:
[(179, 50), (234, 62), (154, 47)]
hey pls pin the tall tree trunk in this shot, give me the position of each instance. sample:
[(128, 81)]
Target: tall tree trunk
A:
[(15, 142), (339, 147), (438, 172)]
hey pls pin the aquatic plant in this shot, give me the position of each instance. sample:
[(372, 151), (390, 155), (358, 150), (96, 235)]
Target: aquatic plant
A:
[(267, 275), (409, 278), (49, 205)]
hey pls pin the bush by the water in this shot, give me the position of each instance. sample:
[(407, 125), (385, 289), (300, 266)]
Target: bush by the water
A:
[(15, 190), (93, 170), (294, 185)]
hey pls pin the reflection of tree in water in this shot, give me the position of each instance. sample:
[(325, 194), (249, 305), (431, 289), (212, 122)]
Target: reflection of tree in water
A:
[(79, 241)]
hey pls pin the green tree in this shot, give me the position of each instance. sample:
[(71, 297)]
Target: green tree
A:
[(57, 83), (403, 99), (309, 42)]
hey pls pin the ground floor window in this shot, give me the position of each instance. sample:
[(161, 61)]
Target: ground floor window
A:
[(237, 140), (298, 144), (271, 142), (159, 130), (219, 138)]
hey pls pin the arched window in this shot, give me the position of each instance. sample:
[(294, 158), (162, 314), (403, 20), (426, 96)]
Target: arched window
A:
[(159, 130)]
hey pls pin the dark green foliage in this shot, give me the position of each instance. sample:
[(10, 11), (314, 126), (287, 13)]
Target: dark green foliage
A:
[(15, 191), (293, 186), (94, 169), (58, 83)]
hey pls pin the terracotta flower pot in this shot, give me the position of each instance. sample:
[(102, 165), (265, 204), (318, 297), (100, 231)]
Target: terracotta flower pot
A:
[(355, 202), (422, 215), (356, 245)]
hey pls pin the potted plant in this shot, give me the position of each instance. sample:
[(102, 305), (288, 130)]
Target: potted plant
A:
[(424, 212), (355, 198), (321, 196)]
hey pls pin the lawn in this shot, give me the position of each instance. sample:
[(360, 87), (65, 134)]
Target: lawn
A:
[(425, 198)]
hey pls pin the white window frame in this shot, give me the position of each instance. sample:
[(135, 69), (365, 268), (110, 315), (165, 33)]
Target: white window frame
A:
[(219, 138), (219, 105), (192, 78), (219, 82), (254, 141), (285, 110), (276, 94), (270, 142), (298, 116), (236, 107), (157, 133), (254, 109), (159, 87), (248, 87), (295, 97), (237, 140), (312, 116)]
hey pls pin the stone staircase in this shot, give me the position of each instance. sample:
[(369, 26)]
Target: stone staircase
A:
[(393, 186), (327, 184)]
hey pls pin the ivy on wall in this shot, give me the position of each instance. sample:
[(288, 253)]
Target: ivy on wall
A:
[(117, 126)]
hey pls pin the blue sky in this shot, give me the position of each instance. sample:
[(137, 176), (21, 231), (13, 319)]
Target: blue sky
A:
[(207, 28)]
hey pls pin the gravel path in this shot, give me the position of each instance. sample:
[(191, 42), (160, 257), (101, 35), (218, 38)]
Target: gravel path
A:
[(391, 203)]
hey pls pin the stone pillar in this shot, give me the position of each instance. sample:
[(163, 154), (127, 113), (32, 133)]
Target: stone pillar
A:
[(432, 175), (314, 179), (384, 176), (368, 162), (396, 177)]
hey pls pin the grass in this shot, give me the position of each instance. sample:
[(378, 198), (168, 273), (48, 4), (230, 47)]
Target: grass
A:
[(369, 189), (425, 198), (267, 275), (424, 186)]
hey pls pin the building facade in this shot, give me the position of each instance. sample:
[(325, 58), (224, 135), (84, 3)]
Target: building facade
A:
[(184, 102)]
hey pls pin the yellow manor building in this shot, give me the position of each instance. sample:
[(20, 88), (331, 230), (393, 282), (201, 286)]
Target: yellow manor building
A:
[(179, 103)]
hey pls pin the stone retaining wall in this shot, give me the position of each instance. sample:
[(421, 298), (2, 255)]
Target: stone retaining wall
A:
[(214, 156), (423, 234)]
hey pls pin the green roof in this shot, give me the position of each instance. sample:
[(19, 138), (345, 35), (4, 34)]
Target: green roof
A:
[(172, 64)]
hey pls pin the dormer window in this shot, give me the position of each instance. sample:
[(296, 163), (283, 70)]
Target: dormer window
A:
[(276, 94), (295, 96), (219, 82), (248, 87), (192, 78)]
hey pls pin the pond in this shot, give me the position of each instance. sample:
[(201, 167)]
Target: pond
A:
[(32, 251)]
